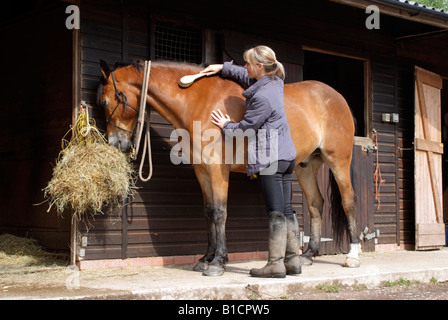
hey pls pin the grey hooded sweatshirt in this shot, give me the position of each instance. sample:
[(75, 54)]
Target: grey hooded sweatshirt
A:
[(265, 115)]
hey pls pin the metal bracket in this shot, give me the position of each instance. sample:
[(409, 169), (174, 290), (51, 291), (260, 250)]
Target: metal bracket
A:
[(365, 235), (407, 149), (365, 143), (306, 239)]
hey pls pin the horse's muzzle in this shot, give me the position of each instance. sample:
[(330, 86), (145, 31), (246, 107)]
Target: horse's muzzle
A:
[(120, 141)]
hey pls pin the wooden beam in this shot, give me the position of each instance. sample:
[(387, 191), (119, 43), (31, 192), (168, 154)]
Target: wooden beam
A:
[(431, 235), (426, 145), (429, 78)]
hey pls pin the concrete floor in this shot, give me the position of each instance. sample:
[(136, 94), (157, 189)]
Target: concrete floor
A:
[(179, 282)]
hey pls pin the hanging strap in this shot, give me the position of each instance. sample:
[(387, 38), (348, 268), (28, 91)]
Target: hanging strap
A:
[(140, 124), (146, 146), (377, 178)]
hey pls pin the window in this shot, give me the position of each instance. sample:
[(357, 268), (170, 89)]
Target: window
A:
[(177, 43)]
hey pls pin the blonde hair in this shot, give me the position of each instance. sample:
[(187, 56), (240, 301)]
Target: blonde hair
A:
[(265, 56)]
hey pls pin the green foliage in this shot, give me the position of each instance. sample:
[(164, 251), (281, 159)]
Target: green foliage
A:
[(330, 288), (434, 280), (438, 4), (400, 282)]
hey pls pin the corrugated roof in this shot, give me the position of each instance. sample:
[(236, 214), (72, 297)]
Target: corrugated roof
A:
[(404, 9), (424, 6), (418, 10)]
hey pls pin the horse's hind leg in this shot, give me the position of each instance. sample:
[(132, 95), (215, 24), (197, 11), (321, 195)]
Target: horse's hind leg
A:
[(307, 180), (342, 175)]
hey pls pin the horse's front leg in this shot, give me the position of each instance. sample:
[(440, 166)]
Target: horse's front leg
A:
[(217, 214), (214, 182), (203, 262), (216, 247)]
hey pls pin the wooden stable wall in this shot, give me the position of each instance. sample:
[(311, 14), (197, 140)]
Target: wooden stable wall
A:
[(166, 216)]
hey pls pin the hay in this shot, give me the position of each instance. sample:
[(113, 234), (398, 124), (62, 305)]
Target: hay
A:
[(20, 251), (89, 174)]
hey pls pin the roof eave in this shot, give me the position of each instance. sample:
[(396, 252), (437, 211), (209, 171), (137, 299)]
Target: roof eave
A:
[(402, 10)]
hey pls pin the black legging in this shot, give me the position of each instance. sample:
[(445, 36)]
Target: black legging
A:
[(277, 188)]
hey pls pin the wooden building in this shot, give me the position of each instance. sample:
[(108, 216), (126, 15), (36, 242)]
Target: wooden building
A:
[(389, 64)]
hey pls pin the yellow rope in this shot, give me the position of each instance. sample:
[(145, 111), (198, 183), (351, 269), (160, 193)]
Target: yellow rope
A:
[(84, 131)]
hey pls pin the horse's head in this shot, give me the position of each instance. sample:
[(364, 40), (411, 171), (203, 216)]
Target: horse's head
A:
[(119, 97)]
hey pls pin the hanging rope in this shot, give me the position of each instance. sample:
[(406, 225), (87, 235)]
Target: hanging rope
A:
[(146, 147), (142, 118), (377, 178)]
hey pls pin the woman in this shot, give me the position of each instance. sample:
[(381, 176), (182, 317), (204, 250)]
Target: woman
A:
[(263, 77)]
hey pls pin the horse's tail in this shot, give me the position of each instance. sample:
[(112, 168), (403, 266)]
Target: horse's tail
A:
[(338, 218)]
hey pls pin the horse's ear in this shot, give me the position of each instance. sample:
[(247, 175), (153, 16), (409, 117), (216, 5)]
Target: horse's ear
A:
[(105, 70)]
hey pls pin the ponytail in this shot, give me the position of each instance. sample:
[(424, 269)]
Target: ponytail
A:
[(265, 56)]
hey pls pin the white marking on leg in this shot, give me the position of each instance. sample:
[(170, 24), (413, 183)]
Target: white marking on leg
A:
[(355, 249)]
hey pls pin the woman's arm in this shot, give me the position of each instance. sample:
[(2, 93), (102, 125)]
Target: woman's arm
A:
[(231, 71), (255, 116), (212, 69)]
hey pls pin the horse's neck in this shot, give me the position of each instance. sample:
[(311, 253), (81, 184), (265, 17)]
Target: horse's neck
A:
[(164, 98)]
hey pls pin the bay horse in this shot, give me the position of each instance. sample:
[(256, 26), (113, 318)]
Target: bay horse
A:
[(322, 129)]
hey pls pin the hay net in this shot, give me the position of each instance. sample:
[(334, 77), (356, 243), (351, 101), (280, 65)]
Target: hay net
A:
[(89, 175)]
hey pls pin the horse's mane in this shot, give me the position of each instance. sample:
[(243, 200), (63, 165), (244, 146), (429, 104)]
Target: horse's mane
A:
[(139, 66)]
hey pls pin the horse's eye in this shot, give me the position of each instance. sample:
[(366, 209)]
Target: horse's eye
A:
[(104, 103)]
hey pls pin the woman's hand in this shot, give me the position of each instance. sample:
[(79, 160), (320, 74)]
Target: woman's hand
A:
[(212, 69), (219, 119)]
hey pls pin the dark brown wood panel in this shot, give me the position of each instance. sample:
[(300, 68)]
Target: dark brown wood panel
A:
[(36, 109), (404, 83), (383, 101)]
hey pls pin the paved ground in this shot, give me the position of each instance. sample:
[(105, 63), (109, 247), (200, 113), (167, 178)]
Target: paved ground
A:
[(179, 282)]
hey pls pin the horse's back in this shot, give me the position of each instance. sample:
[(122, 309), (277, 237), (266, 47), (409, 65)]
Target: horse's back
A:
[(315, 95), (319, 117)]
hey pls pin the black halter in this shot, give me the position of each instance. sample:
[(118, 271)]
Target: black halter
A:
[(121, 97)]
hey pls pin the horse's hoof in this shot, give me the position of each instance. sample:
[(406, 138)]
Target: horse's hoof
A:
[(200, 266), (352, 263), (214, 271), (304, 261)]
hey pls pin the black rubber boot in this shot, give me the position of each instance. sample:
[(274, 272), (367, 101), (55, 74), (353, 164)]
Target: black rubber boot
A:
[(292, 261), (275, 268)]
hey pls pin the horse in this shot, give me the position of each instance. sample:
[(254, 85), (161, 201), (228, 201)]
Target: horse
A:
[(321, 124)]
